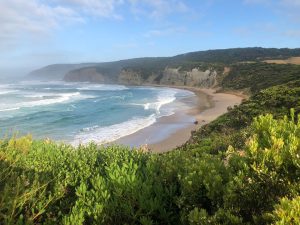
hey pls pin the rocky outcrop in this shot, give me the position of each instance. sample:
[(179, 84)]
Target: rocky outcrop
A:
[(195, 77), (168, 76), (200, 78), (130, 77)]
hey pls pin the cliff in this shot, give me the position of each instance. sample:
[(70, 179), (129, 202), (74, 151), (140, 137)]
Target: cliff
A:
[(167, 76), (193, 77)]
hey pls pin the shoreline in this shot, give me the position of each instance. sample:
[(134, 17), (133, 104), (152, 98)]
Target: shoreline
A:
[(176, 129)]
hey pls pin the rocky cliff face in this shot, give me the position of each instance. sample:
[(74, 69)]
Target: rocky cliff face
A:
[(172, 76), (169, 76), (195, 77), (130, 77)]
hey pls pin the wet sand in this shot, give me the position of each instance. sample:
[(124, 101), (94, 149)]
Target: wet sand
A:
[(172, 131)]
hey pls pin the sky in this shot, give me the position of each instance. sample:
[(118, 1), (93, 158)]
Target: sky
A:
[(35, 33)]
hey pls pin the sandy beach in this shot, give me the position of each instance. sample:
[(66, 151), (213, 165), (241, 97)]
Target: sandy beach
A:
[(172, 131)]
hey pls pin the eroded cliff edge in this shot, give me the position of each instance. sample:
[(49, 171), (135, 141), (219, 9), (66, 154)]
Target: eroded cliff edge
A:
[(129, 76)]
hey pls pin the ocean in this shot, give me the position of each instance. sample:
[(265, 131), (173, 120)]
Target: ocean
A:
[(82, 112)]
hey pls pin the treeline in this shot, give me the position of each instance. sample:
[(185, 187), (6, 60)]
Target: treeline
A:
[(234, 55)]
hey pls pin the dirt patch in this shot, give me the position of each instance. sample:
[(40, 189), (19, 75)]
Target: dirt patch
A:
[(292, 60), (226, 70)]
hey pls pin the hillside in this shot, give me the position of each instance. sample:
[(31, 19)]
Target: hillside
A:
[(203, 68), (55, 72), (233, 55), (258, 76), (192, 69), (58, 71)]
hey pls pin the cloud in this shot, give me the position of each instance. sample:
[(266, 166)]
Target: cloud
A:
[(165, 32), (292, 33), (291, 3), (243, 31), (130, 45), (157, 9), (19, 18), (290, 9), (288, 13), (285, 7), (33, 18), (276, 3), (261, 2), (103, 8), (23, 20)]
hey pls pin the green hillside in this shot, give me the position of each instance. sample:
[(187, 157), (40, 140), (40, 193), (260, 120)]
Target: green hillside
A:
[(242, 168), (258, 76), (149, 65), (203, 60), (238, 55)]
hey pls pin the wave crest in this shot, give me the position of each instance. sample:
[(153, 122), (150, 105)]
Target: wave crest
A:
[(102, 135), (102, 87)]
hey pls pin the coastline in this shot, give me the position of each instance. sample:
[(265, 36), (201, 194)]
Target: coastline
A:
[(169, 132)]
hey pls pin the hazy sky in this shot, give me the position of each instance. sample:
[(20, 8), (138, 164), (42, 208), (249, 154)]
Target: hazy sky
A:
[(34, 33)]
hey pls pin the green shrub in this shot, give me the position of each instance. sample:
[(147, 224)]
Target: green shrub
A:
[(287, 212)]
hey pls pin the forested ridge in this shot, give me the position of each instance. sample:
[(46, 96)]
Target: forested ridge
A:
[(242, 168), (148, 66), (203, 60)]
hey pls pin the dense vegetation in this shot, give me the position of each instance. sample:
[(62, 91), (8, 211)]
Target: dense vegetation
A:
[(234, 55), (258, 76)]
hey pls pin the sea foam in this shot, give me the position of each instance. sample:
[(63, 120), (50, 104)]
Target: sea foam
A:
[(55, 99), (163, 98), (102, 87), (102, 135), (5, 92)]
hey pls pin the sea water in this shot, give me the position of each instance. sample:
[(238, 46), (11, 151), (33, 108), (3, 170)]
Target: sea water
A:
[(82, 112)]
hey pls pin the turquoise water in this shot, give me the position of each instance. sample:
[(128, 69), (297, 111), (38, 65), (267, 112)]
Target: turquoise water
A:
[(82, 112)]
